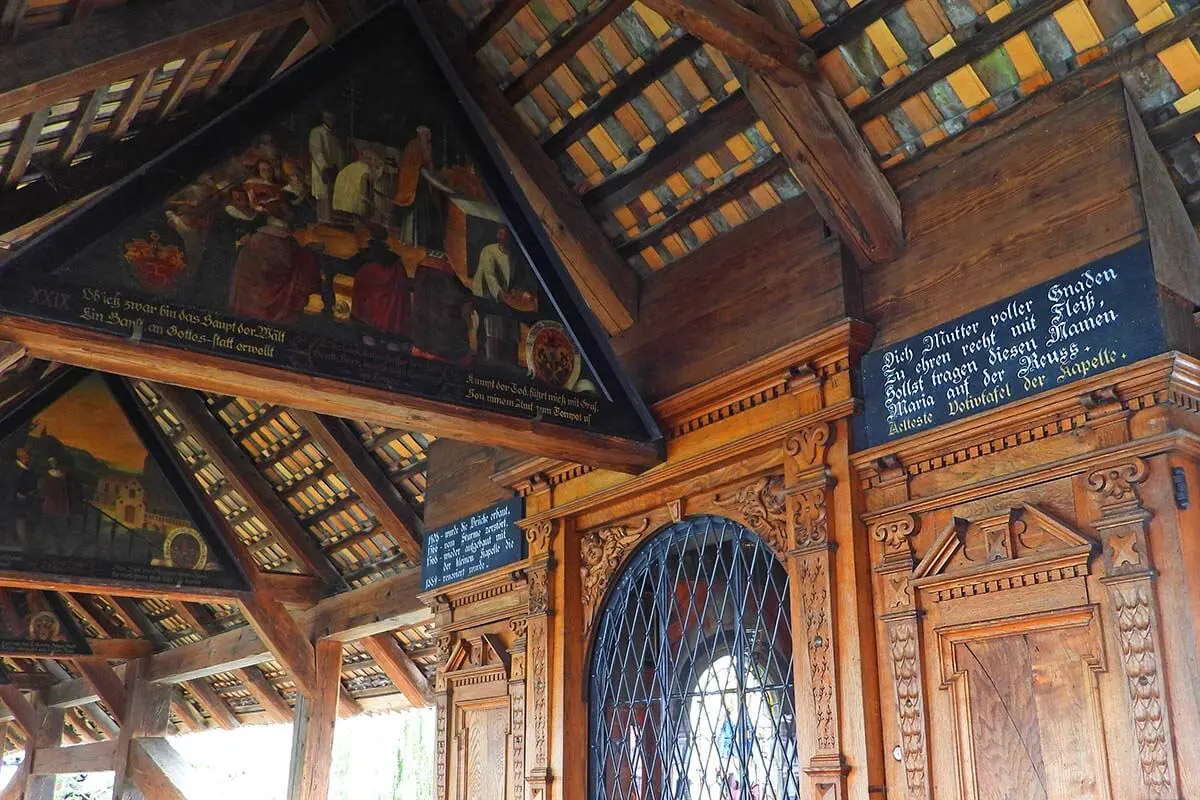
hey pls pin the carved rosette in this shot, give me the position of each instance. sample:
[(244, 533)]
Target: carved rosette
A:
[(762, 506), (1133, 608), (904, 650), (601, 552)]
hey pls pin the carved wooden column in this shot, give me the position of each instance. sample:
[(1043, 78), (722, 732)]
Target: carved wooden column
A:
[(516, 700), (810, 562), (896, 606), (540, 537), (1133, 605), (441, 701)]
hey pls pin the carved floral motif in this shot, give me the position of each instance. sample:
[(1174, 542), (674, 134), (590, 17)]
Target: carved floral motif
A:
[(441, 746), (539, 687), (540, 535), (763, 506), (539, 590), (814, 601), (807, 446), (601, 552), (1139, 656), (809, 517), (516, 699), (906, 676)]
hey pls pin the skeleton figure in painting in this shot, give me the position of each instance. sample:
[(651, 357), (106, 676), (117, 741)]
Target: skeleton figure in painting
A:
[(327, 155)]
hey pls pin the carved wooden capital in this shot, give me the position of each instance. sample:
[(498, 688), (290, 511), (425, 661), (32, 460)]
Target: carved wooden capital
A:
[(762, 506), (807, 446), (601, 551), (1116, 485), (540, 536), (894, 533)]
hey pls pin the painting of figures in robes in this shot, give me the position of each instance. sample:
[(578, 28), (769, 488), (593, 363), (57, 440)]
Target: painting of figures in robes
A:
[(36, 623), (80, 494), (351, 234)]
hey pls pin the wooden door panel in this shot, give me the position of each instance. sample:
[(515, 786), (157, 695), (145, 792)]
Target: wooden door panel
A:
[(485, 753)]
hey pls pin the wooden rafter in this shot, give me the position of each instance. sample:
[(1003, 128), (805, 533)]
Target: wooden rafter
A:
[(12, 13), (583, 32), (607, 282), (390, 657), (180, 83), (500, 15), (809, 123), (69, 61), (230, 64), (243, 475), (256, 683), (26, 138), (130, 104), (359, 467), (80, 125)]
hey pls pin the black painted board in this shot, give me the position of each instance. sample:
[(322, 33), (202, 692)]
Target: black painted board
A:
[(1087, 321), (347, 221), (484, 541)]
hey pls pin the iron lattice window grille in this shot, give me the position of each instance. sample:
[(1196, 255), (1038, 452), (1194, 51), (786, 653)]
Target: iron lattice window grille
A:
[(691, 693)]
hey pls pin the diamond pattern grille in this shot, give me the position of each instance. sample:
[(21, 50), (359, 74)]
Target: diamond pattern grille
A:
[(691, 684)]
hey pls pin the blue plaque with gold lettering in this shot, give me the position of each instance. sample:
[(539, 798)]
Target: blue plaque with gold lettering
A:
[(1087, 321)]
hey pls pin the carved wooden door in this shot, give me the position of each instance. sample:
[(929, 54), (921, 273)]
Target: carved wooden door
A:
[(483, 752)]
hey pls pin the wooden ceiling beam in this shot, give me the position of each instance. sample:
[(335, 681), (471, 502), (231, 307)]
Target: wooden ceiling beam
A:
[(500, 15), (809, 123), (624, 92), (707, 204), (678, 150), (407, 676), (851, 24), (233, 60), (237, 467), (68, 61), (760, 44), (104, 586), (288, 641), (80, 126), (254, 682), (347, 452), (179, 85), (219, 712), (963, 53), (12, 14), (120, 355), (27, 135), (563, 50), (608, 284), (130, 104)]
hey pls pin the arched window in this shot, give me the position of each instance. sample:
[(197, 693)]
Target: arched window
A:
[(691, 678)]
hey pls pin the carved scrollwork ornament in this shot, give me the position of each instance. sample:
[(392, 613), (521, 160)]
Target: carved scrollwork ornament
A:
[(903, 647), (601, 551), (540, 535), (1116, 484), (894, 533), (807, 446), (539, 591), (518, 626), (762, 504), (809, 517)]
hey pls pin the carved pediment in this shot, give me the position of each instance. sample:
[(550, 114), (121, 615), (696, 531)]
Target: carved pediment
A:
[(1016, 547), (475, 654)]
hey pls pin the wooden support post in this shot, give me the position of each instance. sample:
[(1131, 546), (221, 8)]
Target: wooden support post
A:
[(47, 734), (146, 713), (400, 669), (807, 120), (312, 737)]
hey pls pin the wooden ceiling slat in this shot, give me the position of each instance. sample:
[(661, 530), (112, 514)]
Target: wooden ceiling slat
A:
[(676, 151), (80, 126), (68, 61), (707, 204), (27, 139), (180, 83), (989, 38), (233, 59), (500, 15), (562, 51), (131, 103), (851, 24), (624, 92), (12, 12)]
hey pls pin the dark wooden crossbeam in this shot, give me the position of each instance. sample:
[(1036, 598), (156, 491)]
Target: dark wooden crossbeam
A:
[(712, 201), (179, 84), (678, 150), (500, 15), (1176, 129), (622, 93), (131, 103), (851, 25), (399, 667), (80, 126), (583, 32), (12, 13), (26, 138), (233, 60), (986, 40), (68, 61)]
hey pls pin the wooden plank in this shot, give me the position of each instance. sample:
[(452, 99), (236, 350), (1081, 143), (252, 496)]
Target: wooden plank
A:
[(81, 125), (223, 652), (147, 713), (189, 718), (131, 103), (179, 84), (658, 66), (22, 710), (65, 62), (233, 60), (95, 757), (104, 586), (957, 57), (707, 204), (390, 657), (608, 284), (160, 772), (261, 690), (190, 409), (347, 452), (382, 605), (12, 14), (225, 376), (312, 737), (677, 151), (500, 15), (583, 32), (15, 788), (26, 137), (742, 35), (287, 640), (1175, 130)]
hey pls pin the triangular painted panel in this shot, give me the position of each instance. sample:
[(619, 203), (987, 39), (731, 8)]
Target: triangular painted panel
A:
[(36, 624), (347, 222), (87, 490)]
